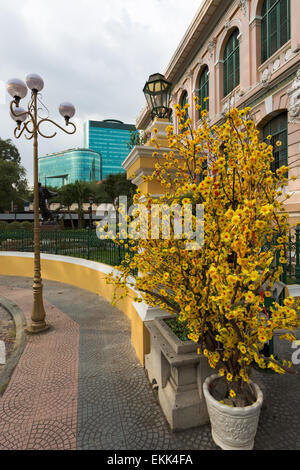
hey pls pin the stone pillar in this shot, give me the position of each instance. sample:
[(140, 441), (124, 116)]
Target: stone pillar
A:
[(141, 162), (218, 87), (255, 49), (295, 30)]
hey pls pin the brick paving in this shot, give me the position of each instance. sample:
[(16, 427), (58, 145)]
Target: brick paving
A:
[(80, 385), (39, 407), (7, 333)]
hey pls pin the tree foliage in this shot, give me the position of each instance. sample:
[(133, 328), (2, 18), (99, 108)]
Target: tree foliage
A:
[(219, 289), (13, 183), (9, 152), (136, 138)]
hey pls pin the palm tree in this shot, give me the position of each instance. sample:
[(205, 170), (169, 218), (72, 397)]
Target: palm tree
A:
[(81, 193)]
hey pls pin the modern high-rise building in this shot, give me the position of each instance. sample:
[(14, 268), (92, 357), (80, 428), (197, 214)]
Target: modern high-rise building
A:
[(110, 138), (66, 167)]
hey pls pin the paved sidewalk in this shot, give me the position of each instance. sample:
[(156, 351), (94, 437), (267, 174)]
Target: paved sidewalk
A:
[(80, 385)]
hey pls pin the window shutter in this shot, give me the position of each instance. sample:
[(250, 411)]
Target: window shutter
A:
[(278, 129), (231, 69), (275, 26)]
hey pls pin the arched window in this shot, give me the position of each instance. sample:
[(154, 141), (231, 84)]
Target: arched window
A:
[(278, 129), (184, 100), (275, 26), (231, 63), (203, 90)]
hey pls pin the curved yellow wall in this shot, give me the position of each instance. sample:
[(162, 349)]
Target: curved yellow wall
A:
[(84, 274)]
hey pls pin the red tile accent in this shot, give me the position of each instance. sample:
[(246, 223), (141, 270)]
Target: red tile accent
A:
[(39, 407)]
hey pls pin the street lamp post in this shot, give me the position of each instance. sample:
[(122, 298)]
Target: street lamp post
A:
[(30, 122), (157, 92)]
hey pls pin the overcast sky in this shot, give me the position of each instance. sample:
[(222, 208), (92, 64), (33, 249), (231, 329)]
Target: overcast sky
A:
[(97, 54)]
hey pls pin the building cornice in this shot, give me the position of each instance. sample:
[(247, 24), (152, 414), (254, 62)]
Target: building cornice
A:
[(141, 151), (197, 34)]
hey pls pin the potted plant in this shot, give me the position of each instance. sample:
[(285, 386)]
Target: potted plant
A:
[(218, 285)]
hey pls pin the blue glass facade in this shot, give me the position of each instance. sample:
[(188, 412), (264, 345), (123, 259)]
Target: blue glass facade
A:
[(109, 138), (66, 167)]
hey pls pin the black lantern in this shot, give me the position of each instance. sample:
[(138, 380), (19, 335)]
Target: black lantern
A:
[(157, 92)]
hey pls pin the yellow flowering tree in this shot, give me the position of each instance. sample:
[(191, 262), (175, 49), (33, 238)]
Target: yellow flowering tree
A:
[(218, 289)]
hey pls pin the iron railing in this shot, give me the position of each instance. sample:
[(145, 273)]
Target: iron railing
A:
[(77, 243), (85, 244)]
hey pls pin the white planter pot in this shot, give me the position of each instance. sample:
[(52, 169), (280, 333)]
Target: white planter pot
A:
[(232, 428)]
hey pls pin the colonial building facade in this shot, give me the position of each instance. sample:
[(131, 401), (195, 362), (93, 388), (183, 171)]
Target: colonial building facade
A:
[(244, 53)]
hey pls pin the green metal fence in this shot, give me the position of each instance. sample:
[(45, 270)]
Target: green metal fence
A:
[(291, 274), (291, 269), (85, 244), (77, 243)]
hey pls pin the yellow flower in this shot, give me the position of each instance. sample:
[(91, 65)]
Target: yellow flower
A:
[(254, 276), (278, 143), (226, 237), (249, 297), (235, 219), (239, 217), (232, 393)]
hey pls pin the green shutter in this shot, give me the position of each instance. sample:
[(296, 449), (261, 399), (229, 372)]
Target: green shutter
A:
[(184, 101), (231, 68), (278, 129), (203, 90), (275, 26)]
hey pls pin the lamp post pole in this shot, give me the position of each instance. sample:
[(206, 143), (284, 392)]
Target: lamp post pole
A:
[(29, 121), (38, 315)]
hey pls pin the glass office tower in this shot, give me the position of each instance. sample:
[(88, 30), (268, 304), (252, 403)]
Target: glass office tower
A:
[(66, 167), (110, 138)]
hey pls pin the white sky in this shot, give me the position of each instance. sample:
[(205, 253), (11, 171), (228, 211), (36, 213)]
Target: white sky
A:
[(97, 54)]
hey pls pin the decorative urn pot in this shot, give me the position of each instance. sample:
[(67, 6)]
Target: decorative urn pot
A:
[(233, 428)]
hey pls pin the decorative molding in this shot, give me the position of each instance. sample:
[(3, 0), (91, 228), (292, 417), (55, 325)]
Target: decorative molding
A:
[(227, 25), (255, 21), (188, 75), (269, 104), (211, 46), (294, 96), (265, 76), (276, 65), (288, 55), (243, 4)]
